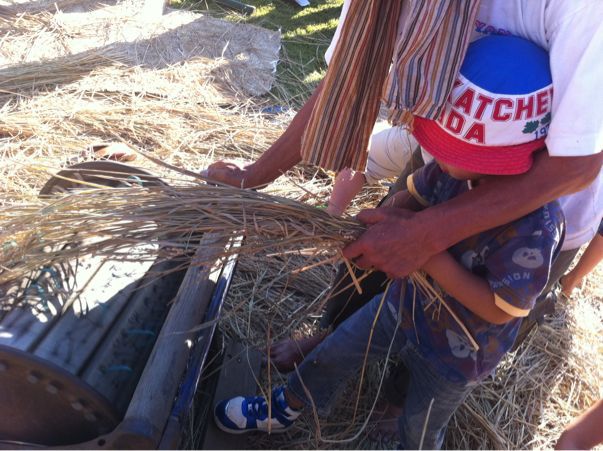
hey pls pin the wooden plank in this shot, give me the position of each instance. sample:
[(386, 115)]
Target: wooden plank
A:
[(238, 375), (152, 401), (114, 368)]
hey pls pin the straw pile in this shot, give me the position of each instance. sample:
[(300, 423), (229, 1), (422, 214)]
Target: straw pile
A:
[(103, 73), (534, 393)]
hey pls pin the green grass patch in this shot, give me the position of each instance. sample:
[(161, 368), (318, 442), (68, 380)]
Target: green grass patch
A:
[(306, 34)]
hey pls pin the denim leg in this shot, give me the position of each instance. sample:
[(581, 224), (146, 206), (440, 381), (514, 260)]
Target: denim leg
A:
[(426, 384), (341, 355), (341, 306)]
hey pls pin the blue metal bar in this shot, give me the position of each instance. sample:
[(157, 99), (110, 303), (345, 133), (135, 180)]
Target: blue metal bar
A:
[(190, 383)]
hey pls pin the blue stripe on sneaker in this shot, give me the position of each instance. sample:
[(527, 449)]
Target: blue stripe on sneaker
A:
[(280, 416), (220, 415)]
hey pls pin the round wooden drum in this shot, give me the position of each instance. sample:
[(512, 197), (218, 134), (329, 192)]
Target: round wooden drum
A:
[(74, 338)]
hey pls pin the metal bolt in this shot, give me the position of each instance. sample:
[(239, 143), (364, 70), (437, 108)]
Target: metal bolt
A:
[(77, 405), (52, 389), (33, 378)]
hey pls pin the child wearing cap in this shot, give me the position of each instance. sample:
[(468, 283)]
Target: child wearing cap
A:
[(495, 119)]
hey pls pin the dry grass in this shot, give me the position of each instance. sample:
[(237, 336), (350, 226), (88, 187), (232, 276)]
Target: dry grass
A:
[(189, 114), (106, 221), (534, 393), (28, 78)]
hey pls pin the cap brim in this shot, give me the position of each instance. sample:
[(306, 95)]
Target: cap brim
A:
[(493, 160)]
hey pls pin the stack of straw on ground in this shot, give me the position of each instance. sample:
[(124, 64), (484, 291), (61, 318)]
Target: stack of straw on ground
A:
[(178, 86), (189, 114)]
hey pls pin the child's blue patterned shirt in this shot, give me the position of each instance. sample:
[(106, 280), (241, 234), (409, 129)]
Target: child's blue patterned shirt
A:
[(515, 259)]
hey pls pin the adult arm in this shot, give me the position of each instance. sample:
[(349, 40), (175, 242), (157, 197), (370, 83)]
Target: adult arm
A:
[(277, 159), (398, 242), (585, 432)]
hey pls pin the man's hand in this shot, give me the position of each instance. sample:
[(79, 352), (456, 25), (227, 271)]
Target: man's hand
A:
[(281, 156), (227, 172), (396, 242)]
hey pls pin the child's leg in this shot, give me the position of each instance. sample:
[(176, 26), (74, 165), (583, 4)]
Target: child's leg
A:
[(286, 353), (322, 374), (347, 184), (390, 150), (427, 387)]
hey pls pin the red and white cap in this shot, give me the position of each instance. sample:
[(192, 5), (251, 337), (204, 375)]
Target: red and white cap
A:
[(498, 112)]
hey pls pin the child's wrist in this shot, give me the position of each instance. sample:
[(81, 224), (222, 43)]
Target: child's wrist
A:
[(334, 209)]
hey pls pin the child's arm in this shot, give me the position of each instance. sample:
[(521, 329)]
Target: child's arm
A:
[(403, 199), (347, 184), (470, 290)]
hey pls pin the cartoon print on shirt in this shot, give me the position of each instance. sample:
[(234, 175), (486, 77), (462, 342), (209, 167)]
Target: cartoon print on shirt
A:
[(529, 258), (471, 259), (460, 346)]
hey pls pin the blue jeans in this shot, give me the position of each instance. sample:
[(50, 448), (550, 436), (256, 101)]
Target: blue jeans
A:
[(341, 355)]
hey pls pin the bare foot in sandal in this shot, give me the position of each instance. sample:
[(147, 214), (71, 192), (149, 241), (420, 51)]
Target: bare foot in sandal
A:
[(285, 354)]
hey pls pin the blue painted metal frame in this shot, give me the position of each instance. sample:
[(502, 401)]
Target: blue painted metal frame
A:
[(190, 382)]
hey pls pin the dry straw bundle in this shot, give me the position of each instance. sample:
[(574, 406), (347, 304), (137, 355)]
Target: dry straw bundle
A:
[(25, 78), (109, 221)]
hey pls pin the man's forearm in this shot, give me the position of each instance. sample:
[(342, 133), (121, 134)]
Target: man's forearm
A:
[(285, 152), (505, 199), (398, 243)]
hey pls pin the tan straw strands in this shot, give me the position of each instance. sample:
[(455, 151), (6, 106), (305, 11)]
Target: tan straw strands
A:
[(110, 222), (427, 44)]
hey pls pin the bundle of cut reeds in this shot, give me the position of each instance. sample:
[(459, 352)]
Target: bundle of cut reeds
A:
[(29, 77), (109, 221)]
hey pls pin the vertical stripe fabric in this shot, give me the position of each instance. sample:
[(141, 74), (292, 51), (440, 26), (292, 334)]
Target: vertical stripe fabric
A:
[(425, 53)]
